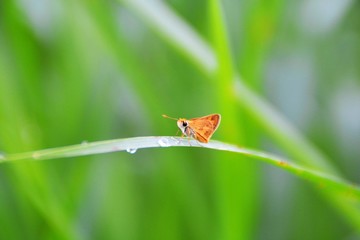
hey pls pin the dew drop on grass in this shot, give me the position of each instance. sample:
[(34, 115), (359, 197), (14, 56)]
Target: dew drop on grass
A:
[(131, 150), (164, 142)]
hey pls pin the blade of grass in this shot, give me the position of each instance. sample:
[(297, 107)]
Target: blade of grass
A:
[(12, 114), (131, 145), (179, 35), (286, 134), (237, 199)]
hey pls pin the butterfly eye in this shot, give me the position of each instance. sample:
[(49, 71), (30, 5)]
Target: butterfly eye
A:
[(184, 124)]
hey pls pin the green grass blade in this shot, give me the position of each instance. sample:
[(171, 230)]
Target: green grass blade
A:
[(237, 203), (131, 145), (176, 31), (286, 134)]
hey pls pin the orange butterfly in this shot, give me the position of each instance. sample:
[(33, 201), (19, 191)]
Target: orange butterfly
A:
[(201, 128)]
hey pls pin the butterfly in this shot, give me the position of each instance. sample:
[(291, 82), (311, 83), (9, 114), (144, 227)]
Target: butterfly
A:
[(201, 128)]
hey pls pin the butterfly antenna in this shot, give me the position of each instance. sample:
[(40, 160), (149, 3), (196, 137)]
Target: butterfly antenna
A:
[(166, 116)]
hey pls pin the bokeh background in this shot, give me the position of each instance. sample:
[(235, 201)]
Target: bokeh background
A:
[(82, 71)]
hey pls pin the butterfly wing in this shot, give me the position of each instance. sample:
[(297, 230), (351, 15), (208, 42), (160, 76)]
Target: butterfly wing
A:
[(204, 127)]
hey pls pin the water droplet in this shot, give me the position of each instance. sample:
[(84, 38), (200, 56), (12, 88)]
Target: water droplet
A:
[(164, 142), (131, 150)]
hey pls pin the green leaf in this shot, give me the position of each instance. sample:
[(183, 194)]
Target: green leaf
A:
[(132, 145)]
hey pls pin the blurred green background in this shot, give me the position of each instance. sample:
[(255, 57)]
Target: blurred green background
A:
[(81, 71)]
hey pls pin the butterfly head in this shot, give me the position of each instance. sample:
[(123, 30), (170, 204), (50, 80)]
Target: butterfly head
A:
[(182, 124)]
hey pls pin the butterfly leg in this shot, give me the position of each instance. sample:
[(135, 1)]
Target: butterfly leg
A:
[(190, 134), (189, 138)]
